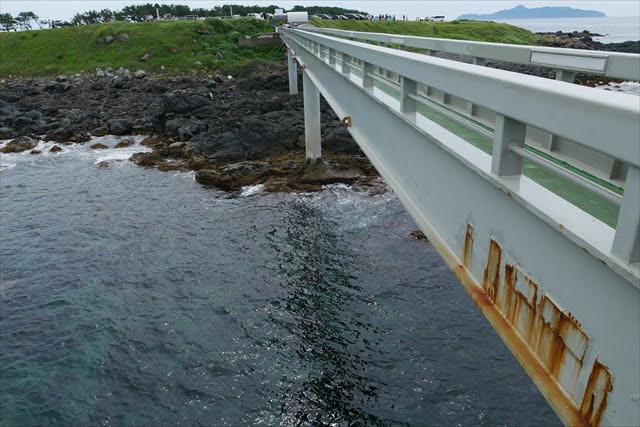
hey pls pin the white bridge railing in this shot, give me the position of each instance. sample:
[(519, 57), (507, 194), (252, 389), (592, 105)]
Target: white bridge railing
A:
[(560, 287), (566, 62), (569, 61)]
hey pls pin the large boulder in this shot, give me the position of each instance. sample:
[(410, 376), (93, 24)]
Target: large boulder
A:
[(191, 128), (182, 101), (120, 126), (146, 159), (216, 146), (234, 176), (61, 134), (20, 144)]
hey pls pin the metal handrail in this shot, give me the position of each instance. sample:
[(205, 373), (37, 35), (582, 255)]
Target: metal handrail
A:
[(576, 179), (608, 64), (570, 176), (545, 104)]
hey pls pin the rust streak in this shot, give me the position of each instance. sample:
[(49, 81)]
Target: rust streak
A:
[(594, 400), (509, 285), (491, 282), (559, 400), (468, 246), (568, 411)]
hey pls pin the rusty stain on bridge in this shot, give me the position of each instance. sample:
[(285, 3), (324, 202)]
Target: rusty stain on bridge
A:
[(554, 336)]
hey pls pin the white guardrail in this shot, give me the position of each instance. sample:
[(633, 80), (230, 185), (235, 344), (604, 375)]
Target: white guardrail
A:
[(559, 286), (608, 64)]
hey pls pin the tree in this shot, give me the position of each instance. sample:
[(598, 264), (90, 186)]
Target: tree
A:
[(25, 18), (106, 15), (7, 22)]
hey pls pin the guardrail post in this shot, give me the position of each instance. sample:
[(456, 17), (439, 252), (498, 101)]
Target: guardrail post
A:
[(565, 76), (626, 242), (408, 105), (332, 57), (504, 162), (479, 61), (312, 137), (568, 77), (471, 107), (346, 68), (367, 79), (293, 73), (321, 52)]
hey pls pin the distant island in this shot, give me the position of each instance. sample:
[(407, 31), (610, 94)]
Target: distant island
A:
[(522, 12)]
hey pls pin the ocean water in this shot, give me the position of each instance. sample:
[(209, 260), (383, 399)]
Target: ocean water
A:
[(614, 29), (134, 297)]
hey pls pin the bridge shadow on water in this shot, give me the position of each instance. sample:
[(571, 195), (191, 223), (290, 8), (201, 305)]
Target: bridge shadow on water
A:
[(321, 315)]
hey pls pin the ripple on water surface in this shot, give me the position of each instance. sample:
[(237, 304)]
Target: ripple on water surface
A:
[(130, 296)]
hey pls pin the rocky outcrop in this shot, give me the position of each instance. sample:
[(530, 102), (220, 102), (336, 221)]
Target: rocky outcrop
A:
[(20, 144)]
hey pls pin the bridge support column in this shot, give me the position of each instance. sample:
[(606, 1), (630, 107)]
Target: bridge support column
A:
[(626, 242), (505, 162), (293, 73), (312, 138)]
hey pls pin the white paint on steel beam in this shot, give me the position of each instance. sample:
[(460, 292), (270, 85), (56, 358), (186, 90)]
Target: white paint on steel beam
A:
[(592, 63), (312, 137)]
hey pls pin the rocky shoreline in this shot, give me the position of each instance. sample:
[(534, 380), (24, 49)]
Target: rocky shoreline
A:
[(233, 133)]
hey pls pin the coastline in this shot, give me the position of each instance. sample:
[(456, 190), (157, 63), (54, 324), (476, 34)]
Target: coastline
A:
[(232, 133)]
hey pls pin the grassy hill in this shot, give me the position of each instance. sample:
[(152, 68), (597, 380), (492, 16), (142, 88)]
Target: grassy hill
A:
[(461, 30), (176, 45)]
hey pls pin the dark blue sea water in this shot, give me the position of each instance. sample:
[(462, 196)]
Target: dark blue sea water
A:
[(135, 297)]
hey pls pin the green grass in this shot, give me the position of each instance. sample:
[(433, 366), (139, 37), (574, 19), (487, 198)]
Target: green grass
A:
[(176, 45), (461, 30)]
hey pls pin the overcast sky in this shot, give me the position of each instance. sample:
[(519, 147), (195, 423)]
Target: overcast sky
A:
[(53, 9)]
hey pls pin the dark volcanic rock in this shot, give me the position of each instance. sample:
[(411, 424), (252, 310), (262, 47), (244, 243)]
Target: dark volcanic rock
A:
[(61, 134), (120, 126), (233, 176), (215, 146), (181, 101), (5, 108), (7, 133), (9, 96), (190, 128)]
